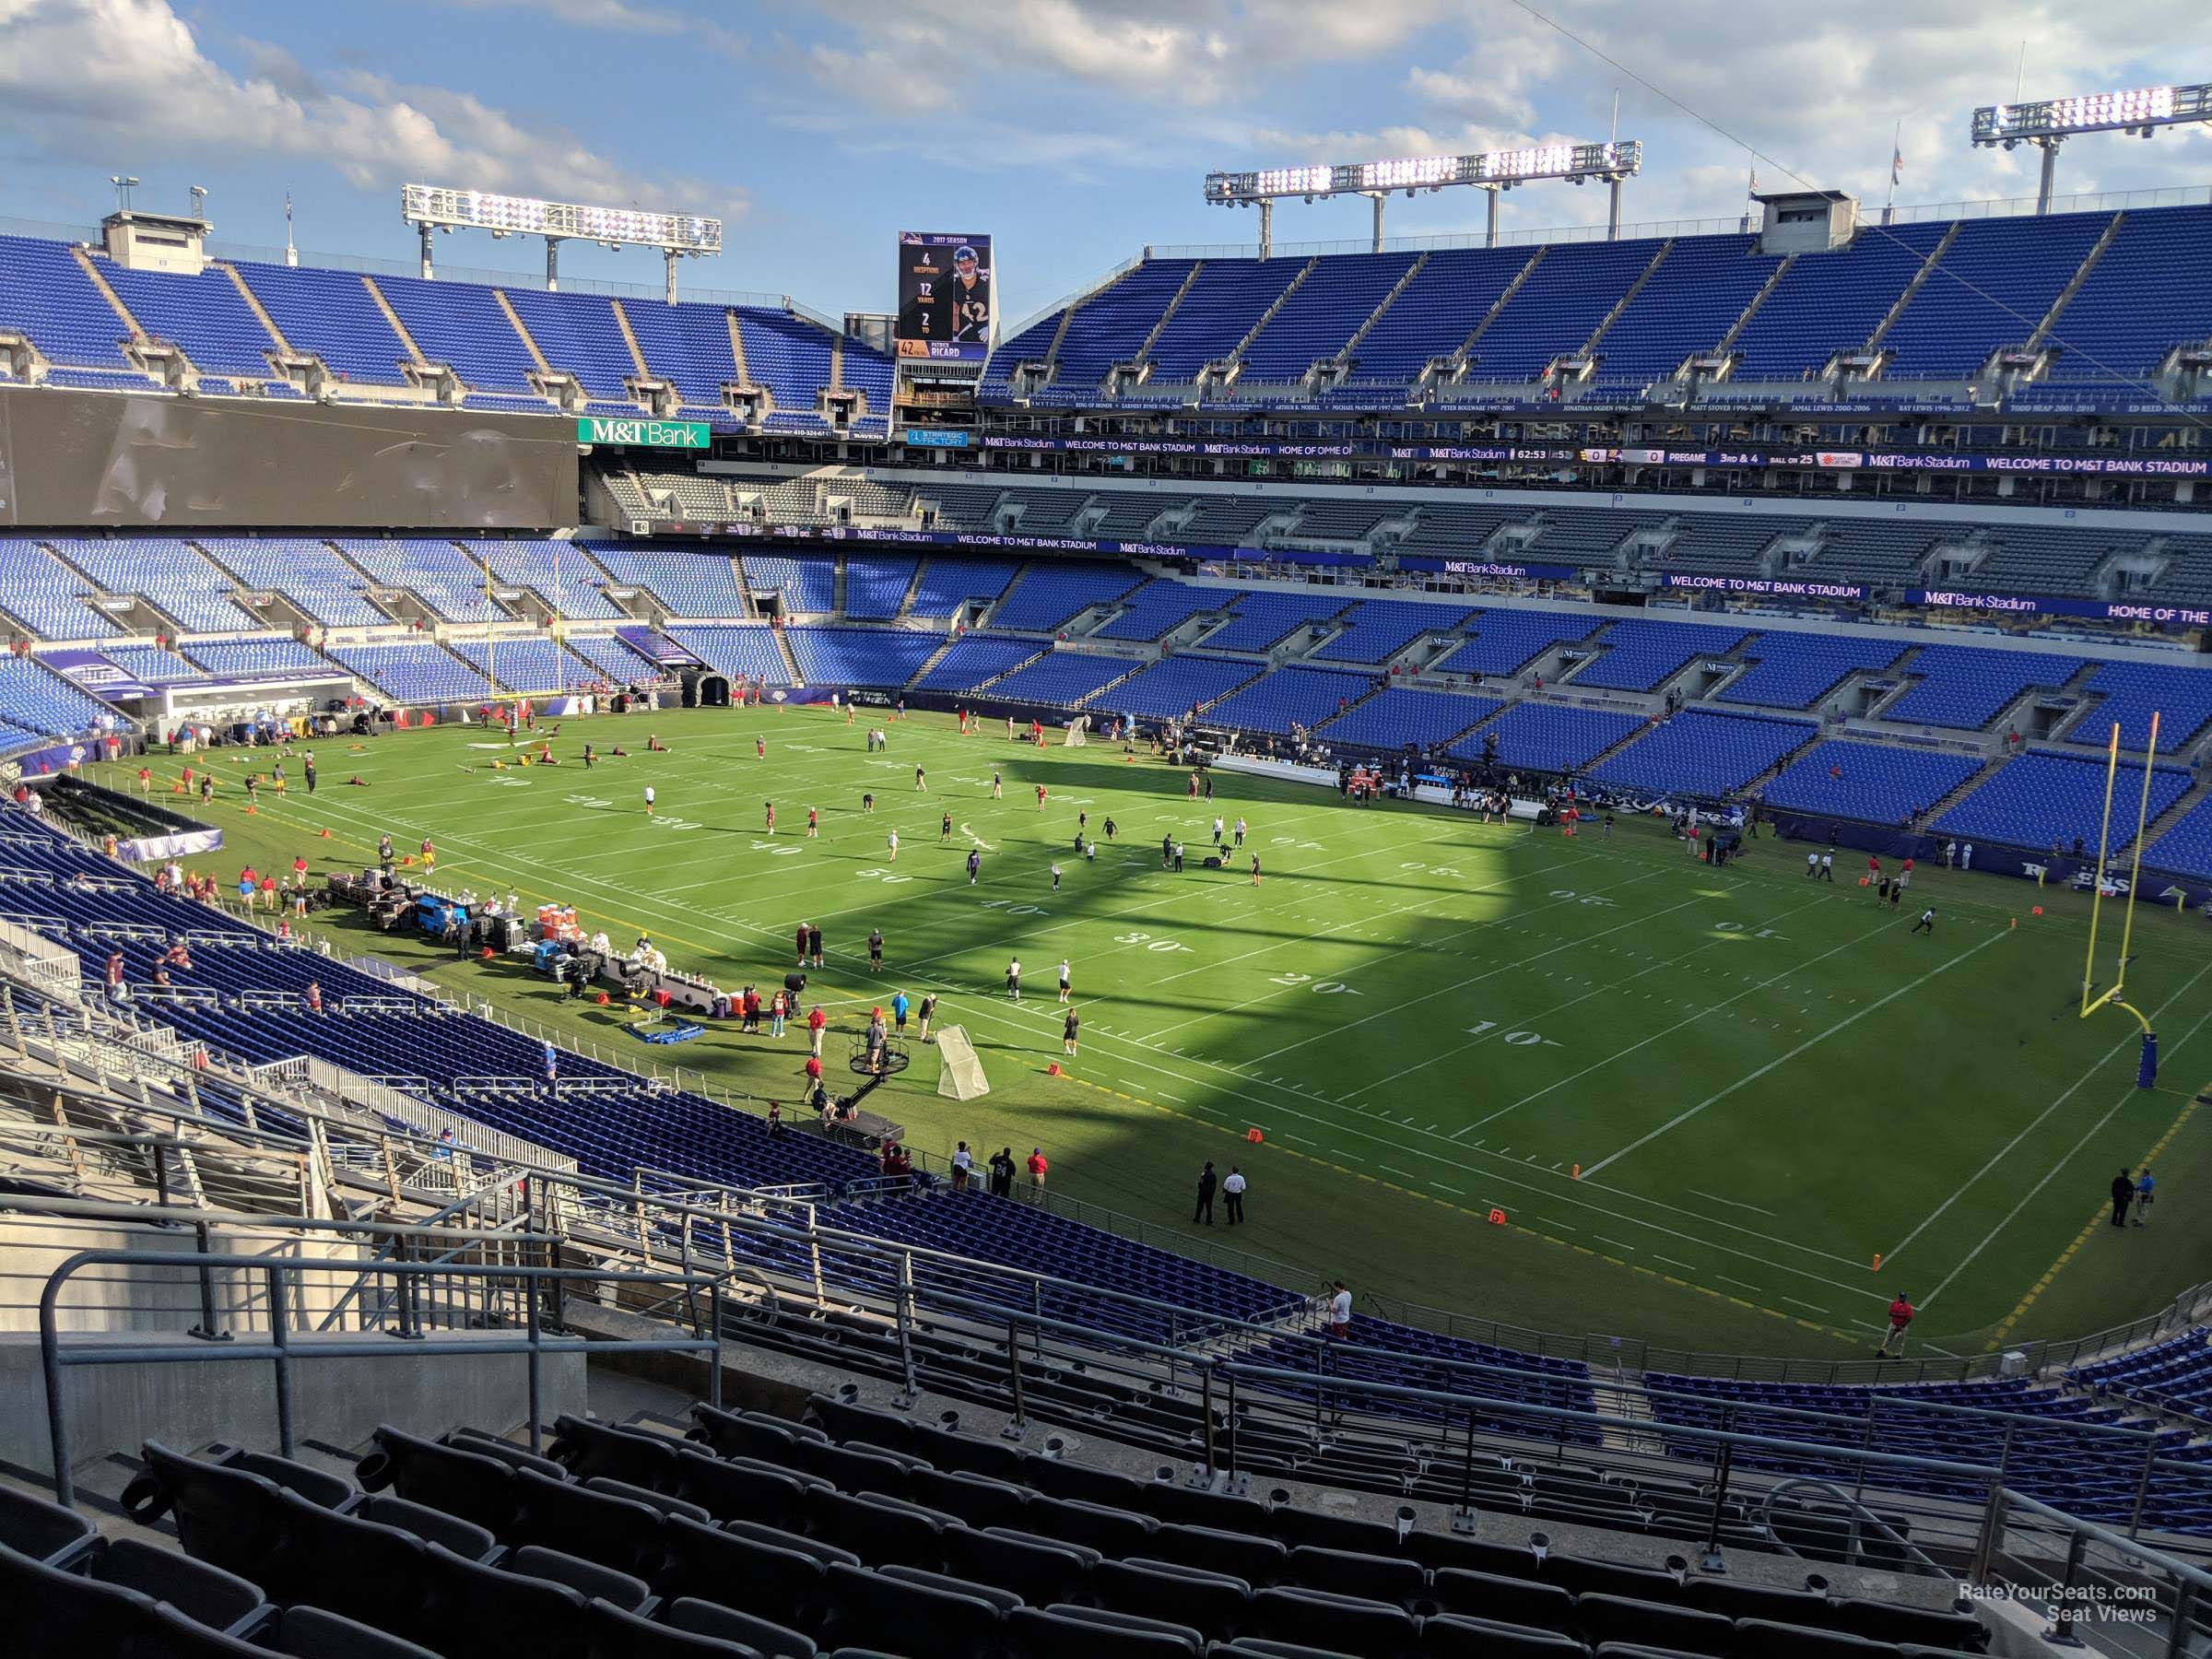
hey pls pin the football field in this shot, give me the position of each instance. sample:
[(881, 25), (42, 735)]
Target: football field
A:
[(1704, 1101)]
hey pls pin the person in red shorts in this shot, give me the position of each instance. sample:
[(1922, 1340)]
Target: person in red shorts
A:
[(1900, 1315)]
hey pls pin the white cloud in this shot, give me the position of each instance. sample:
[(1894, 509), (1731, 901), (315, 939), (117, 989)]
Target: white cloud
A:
[(1183, 51), (620, 16), (127, 78), (1223, 81)]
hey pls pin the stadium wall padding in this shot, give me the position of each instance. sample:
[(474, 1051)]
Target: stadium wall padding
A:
[(72, 459)]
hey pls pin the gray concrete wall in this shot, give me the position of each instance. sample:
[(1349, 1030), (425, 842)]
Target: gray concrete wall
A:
[(336, 1400), (138, 1297)]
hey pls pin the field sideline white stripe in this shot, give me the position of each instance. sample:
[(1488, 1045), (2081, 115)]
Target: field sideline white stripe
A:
[(2071, 1154), (1841, 1025), (2005, 1151), (1144, 1061)]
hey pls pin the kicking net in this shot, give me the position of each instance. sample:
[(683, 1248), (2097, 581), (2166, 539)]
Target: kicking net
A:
[(960, 1074)]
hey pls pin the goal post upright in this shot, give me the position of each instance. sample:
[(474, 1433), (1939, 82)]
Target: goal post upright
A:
[(2104, 834), (2148, 1068)]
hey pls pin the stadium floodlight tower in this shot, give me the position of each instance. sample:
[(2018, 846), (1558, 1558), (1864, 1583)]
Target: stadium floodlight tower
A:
[(431, 207), (2049, 122), (1493, 170)]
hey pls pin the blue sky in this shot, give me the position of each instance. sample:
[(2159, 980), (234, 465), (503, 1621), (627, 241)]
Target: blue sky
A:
[(1074, 131)]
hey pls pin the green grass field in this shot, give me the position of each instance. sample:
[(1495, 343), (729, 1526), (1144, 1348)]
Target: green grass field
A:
[(1764, 1081)]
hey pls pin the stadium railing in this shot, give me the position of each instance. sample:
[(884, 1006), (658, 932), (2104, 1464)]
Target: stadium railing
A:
[(1634, 1354), (1624, 1443), (1602, 1351), (1993, 1541), (425, 1296)]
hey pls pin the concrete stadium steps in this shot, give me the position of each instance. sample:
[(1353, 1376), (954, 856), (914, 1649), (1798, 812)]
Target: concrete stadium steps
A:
[(392, 317), (1727, 341), (522, 330), (982, 686), (1920, 280), (1389, 299), (913, 587), (1627, 298), (629, 339), (2081, 275), (791, 663), (2177, 812), (1935, 809), (1159, 326), (1610, 750), (1503, 299), (253, 303), (1754, 785)]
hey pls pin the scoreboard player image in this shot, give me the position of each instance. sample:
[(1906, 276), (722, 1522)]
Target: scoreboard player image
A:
[(945, 304)]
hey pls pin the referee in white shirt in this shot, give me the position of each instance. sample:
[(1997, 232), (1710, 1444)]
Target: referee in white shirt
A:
[(1232, 1194)]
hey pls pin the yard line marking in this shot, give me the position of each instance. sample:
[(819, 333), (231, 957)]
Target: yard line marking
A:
[(1672, 1263), (1615, 1242), (992, 1012), (2006, 1150), (1808, 1307), (2072, 1152), (1394, 1171), (1841, 1025), (1301, 1139), (1701, 1192), (1400, 1007), (1739, 1284), (1533, 1021), (2095, 1219), (1440, 1187), (1394, 954), (1668, 1032)]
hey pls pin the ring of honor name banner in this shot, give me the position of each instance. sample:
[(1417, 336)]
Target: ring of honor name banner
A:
[(946, 303)]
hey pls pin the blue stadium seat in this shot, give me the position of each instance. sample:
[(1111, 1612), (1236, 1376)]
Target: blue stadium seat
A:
[(1171, 688), (1396, 716), (1702, 754), (1548, 737), (1873, 782), (2045, 797), (1290, 697)]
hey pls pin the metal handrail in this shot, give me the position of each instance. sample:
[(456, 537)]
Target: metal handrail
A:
[(278, 1352)]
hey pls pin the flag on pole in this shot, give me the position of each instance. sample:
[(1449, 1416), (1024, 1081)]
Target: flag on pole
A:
[(1753, 191), (1897, 164), (287, 207)]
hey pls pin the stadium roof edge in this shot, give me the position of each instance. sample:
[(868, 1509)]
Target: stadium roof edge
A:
[(251, 253), (1929, 212)]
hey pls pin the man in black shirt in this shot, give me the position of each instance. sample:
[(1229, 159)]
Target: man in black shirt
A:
[(969, 298), (1002, 1172)]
